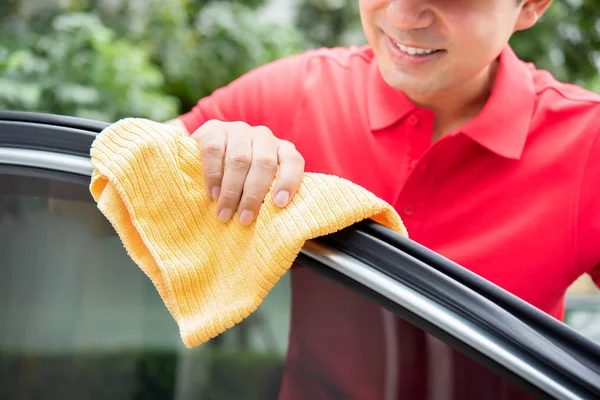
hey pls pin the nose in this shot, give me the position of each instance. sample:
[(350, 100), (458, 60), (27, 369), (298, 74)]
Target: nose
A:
[(408, 15)]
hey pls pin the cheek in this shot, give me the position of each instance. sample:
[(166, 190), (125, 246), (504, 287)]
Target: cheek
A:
[(478, 37), (485, 27), (371, 9), (368, 6)]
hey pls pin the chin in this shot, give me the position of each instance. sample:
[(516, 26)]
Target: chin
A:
[(408, 84)]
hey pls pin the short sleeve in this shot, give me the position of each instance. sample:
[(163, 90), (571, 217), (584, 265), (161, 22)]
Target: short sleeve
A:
[(588, 238), (270, 95)]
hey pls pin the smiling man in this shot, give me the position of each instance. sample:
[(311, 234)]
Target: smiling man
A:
[(489, 161), (444, 55)]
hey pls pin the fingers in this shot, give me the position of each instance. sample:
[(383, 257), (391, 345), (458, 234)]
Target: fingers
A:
[(212, 139), (291, 170), (261, 175), (241, 162), (238, 159)]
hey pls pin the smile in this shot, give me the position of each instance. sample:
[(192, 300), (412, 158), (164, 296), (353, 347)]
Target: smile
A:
[(406, 56), (413, 50)]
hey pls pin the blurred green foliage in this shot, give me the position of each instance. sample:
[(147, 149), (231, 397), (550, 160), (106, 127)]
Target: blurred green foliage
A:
[(566, 42), (81, 68), (107, 59)]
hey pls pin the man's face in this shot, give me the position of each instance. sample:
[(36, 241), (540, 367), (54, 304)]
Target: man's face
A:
[(426, 47)]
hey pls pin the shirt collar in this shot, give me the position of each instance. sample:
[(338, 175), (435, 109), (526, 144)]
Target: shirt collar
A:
[(503, 124), (385, 105)]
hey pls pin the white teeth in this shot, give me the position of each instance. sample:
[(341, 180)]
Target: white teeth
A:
[(412, 50)]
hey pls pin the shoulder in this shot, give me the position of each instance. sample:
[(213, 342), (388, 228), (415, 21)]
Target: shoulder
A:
[(570, 111), (335, 59), (565, 96), (336, 75), (338, 63), (341, 57), (323, 69), (273, 94)]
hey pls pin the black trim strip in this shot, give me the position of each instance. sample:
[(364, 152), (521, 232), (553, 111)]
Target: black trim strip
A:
[(442, 289), (49, 132), (409, 316), (57, 139), (63, 121), (585, 350)]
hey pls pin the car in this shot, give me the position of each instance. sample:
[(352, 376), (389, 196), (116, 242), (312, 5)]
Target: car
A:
[(79, 320)]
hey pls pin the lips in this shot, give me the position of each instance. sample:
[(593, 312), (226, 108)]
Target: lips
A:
[(418, 59), (413, 50)]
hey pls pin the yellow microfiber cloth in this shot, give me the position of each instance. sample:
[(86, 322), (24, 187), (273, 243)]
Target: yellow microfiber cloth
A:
[(148, 182)]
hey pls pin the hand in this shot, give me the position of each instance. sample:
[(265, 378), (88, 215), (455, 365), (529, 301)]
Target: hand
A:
[(240, 163)]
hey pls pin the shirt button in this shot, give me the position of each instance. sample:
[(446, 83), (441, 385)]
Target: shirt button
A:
[(413, 120), (408, 210)]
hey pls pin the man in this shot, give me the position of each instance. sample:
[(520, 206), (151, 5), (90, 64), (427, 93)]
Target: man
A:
[(489, 162)]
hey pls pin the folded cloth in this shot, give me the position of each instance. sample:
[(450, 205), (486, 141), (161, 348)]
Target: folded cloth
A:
[(148, 182)]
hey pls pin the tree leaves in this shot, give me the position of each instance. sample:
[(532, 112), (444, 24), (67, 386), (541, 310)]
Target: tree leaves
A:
[(77, 66), (119, 58)]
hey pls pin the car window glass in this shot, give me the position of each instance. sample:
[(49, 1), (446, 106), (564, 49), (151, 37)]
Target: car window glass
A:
[(80, 320)]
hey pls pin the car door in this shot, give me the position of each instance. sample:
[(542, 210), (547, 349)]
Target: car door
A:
[(386, 318)]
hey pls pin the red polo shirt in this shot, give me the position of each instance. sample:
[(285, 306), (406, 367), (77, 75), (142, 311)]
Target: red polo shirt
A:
[(512, 195)]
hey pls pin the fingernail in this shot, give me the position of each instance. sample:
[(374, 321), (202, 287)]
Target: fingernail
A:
[(246, 217), (225, 215), (215, 192), (282, 198)]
